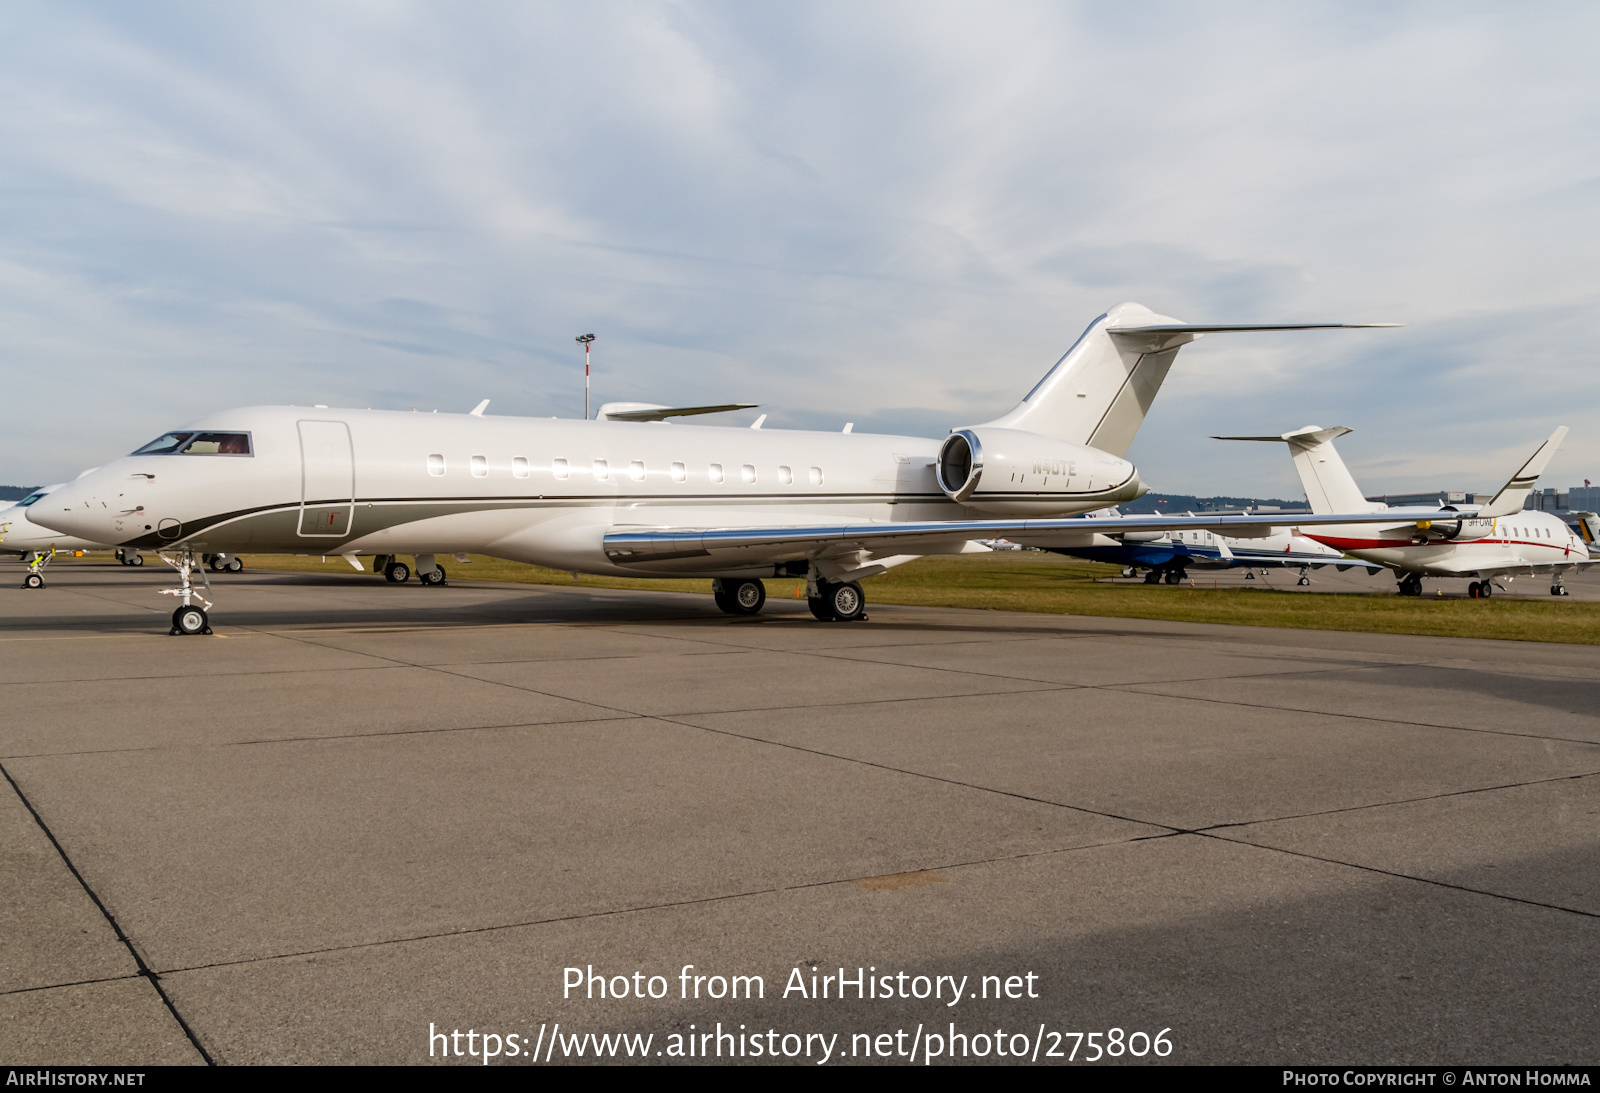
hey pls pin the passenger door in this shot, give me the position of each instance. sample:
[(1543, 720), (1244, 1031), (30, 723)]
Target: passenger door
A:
[(327, 479)]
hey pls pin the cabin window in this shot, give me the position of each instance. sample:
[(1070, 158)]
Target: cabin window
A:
[(816, 476), (559, 469), (785, 476), (716, 472), (748, 473), (636, 470), (519, 467), (680, 473), (601, 470), (436, 465), (480, 467)]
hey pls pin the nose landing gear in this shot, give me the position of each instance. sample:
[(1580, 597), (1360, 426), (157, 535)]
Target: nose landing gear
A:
[(189, 618), (36, 563)]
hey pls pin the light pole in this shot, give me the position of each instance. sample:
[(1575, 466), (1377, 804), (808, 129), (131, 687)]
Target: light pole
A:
[(584, 340)]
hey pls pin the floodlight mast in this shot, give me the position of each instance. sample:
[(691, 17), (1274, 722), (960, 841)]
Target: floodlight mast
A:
[(584, 340)]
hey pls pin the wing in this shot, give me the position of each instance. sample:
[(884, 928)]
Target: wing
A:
[(704, 549)]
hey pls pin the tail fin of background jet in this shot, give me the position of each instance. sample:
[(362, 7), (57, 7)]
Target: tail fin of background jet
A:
[(1099, 392), (1327, 481), (1514, 493)]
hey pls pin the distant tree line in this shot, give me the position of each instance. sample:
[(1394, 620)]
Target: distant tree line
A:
[(1185, 502), (15, 493)]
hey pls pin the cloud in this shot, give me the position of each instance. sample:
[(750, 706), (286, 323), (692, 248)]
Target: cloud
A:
[(897, 214)]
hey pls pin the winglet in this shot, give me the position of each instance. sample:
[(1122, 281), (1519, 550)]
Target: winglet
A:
[(1512, 495), (477, 411)]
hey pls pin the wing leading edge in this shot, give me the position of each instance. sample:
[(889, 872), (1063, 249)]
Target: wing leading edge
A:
[(638, 546)]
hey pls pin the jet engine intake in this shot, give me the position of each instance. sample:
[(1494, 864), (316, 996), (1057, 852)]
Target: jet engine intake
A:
[(1014, 472), (1456, 531)]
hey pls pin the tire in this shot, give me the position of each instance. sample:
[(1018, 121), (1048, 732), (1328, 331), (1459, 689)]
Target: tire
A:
[(33, 580), (190, 621), (1485, 590), (819, 607), (719, 592), (397, 573), (1474, 590), (135, 559), (846, 601), (235, 565), (1173, 576), (747, 597), (1153, 577), (1304, 582), (434, 579)]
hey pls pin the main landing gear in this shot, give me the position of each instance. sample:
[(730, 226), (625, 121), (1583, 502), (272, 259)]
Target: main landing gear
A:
[(190, 618), (429, 574), (1305, 577), (133, 557), (223, 563), (1482, 590), (1557, 588), (841, 602), (37, 560), (1410, 585), (739, 596)]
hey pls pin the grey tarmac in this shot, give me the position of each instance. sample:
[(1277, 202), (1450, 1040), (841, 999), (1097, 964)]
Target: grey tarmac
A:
[(361, 809)]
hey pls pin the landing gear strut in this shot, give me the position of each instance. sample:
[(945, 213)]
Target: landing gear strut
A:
[(739, 596), (189, 618), (36, 563)]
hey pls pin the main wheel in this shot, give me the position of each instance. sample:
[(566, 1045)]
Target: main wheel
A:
[(1174, 576), (397, 573), (215, 564), (1485, 590), (135, 558), (819, 604), (33, 580), (434, 578), (1303, 582), (190, 620), (1153, 577), (1474, 590), (746, 597), (846, 601), (235, 565), (1559, 590)]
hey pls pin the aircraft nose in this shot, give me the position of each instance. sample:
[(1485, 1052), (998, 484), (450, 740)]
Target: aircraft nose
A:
[(74, 509)]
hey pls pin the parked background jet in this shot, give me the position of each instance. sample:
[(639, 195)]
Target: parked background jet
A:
[(1168, 555), (36, 544), (1496, 540)]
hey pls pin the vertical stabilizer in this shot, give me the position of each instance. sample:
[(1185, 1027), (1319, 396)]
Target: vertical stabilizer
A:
[(1100, 390), (1327, 481)]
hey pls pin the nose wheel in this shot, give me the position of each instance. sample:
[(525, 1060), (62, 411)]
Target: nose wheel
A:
[(33, 580), (191, 620), (190, 617)]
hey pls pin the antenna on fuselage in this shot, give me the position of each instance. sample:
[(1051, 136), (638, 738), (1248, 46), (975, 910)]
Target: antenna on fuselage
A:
[(584, 340)]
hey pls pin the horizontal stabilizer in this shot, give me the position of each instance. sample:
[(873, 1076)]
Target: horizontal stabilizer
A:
[(1514, 493), (1186, 328), (649, 411)]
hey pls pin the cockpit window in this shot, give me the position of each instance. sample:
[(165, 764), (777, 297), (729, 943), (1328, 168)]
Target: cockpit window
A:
[(198, 444), (219, 444), (164, 445), (30, 499)]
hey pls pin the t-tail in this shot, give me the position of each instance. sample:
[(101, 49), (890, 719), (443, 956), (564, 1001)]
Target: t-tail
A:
[(1098, 393), (1327, 481)]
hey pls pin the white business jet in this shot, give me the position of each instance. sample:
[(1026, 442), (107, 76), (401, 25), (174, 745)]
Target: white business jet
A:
[(38, 545), (649, 498), (1499, 539)]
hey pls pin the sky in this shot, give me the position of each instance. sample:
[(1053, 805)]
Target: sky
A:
[(897, 214)]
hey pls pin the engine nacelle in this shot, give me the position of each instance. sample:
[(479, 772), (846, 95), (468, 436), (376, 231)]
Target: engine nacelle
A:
[(1455, 531), (1024, 474)]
